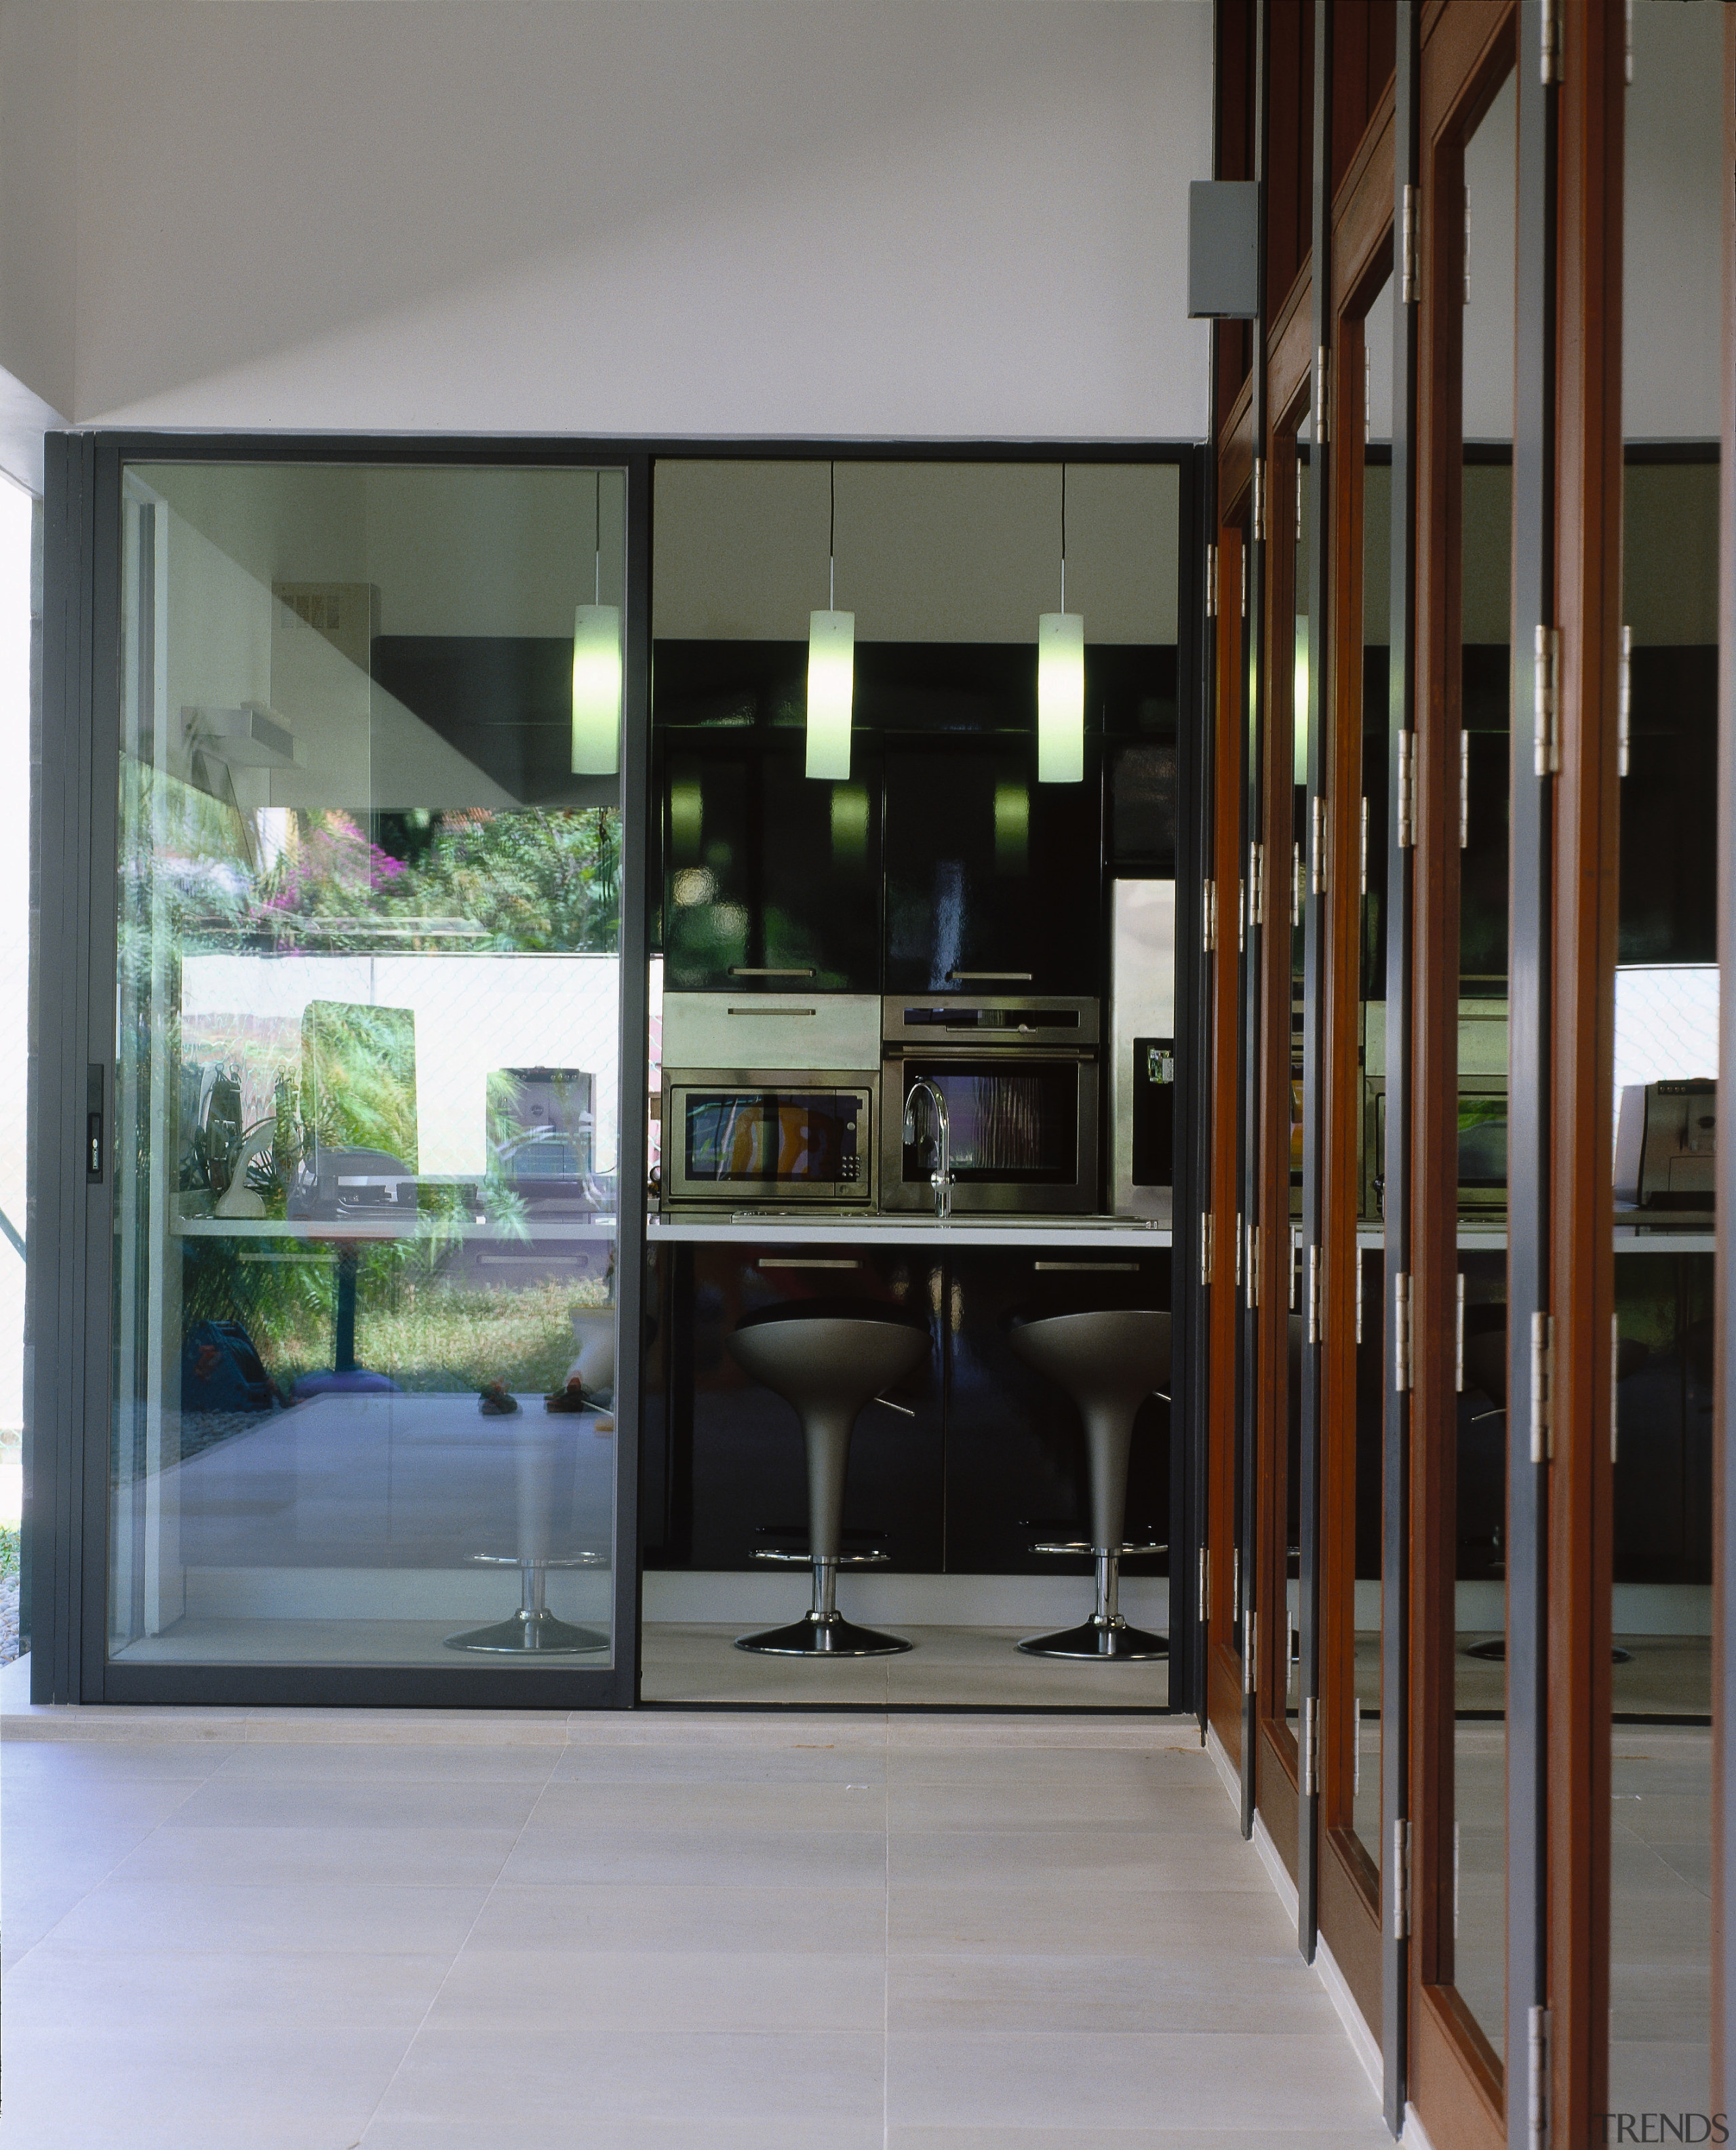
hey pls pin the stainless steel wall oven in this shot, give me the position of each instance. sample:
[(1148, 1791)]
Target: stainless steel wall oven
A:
[(1019, 1076)]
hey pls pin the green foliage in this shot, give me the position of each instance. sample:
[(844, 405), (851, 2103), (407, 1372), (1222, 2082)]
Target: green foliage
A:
[(8, 1552)]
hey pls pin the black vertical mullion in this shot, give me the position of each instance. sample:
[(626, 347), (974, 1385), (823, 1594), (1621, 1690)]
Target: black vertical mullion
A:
[(1314, 1071), (1187, 1468), (1528, 1001), (632, 1088), (1255, 688), (54, 1278), (100, 879), (1395, 1434)]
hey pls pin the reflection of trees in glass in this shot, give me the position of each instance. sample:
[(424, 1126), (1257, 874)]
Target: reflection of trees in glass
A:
[(429, 1332)]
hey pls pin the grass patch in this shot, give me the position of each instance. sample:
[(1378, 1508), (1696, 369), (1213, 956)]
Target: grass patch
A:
[(8, 1552)]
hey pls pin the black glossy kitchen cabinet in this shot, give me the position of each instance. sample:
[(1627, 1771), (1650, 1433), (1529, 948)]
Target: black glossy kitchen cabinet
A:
[(992, 880), (981, 1459)]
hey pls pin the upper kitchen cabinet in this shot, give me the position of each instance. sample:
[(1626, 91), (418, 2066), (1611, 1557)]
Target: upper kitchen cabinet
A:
[(940, 849)]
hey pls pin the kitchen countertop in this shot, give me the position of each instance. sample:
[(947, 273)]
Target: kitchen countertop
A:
[(771, 1229)]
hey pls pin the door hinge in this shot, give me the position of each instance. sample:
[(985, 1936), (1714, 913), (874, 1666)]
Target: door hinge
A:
[(1205, 1248), (1464, 790), (1401, 1366), (1542, 1388), (1615, 1393), (1550, 43), (1252, 1263), (1205, 1586), (1362, 873), (1256, 517), (1250, 1635), (1211, 582), (1310, 1743), (1209, 917), (1318, 878), (1537, 2076), (1400, 1880), (1459, 1337), (1257, 884), (1407, 249), (1298, 885), (1407, 790), (1314, 1295), (1322, 423), (1624, 701), (1546, 740)]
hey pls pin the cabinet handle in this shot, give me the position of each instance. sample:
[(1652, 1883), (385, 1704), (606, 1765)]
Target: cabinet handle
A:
[(1010, 977), (1085, 1265), (748, 970), (813, 1262), (766, 1011)]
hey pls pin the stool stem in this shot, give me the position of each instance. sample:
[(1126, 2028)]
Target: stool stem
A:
[(1108, 1586), (825, 1588)]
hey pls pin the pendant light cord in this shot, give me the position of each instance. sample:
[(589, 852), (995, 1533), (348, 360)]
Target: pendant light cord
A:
[(597, 535), (831, 537), (1063, 537)]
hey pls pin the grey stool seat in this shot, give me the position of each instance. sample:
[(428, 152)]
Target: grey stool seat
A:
[(1108, 1361), (826, 1359)]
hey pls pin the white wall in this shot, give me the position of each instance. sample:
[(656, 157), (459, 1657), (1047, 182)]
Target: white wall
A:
[(851, 217)]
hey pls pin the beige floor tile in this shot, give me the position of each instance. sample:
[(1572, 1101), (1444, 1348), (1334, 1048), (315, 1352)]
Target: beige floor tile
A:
[(585, 2131), (196, 1918), (734, 1989), (1224, 2080), (1099, 1993), (289, 1857), (720, 1857), (649, 1919), (491, 2065), (839, 1802)]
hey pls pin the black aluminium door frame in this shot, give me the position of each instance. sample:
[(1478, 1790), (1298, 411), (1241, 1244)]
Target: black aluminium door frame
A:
[(74, 829), (1395, 1416), (69, 1286)]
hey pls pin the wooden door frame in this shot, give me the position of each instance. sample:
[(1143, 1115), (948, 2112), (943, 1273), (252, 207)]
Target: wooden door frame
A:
[(1455, 2080), (1363, 262)]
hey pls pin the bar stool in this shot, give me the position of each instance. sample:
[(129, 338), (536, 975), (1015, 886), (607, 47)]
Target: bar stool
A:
[(534, 1631), (826, 1358), (1108, 1361)]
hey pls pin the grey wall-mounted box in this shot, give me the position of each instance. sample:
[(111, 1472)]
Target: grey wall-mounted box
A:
[(1223, 249)]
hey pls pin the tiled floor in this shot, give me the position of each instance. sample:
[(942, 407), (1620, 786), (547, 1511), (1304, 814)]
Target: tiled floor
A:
[(981, 1668), (275, 1933)]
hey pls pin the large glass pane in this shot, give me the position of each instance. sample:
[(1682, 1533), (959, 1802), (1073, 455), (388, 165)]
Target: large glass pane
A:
[(1479, 1761), (367, 1109), (1366, 1463), (1665, 1087)]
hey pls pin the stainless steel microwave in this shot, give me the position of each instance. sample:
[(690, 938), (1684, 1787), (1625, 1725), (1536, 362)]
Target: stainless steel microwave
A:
[(761, 1137), (1020, 1077)]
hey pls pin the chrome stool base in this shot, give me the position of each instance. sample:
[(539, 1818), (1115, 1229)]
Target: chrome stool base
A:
[(816, 1635), (1098, 1638), (532, 1631), (530, 1634)]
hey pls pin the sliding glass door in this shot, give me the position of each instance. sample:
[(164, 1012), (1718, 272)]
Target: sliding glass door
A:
[(368, 1139)]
